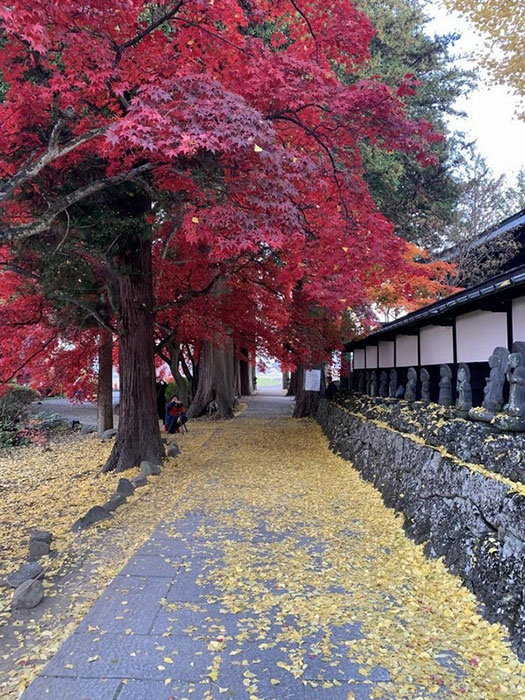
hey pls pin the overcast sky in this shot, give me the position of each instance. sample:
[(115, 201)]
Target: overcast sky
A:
[(491, 119)]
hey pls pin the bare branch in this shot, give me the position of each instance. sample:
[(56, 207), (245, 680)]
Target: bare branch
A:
[(44, 221), (151, 27), (31, 168)]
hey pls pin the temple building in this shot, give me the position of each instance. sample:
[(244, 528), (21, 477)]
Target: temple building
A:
[(460, 330)]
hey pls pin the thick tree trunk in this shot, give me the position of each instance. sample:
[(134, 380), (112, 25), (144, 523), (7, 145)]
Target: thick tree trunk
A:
[(292, 386), (245, 374), (138, 436), (215, 387), (105, 382), (286, 380), (306, 402)]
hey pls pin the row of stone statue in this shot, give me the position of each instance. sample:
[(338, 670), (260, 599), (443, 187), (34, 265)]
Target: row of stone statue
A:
[(504, 366)]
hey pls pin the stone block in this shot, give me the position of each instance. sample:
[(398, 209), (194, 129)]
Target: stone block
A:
[(94, 515), (125, 487), (27, 595), (114, 501), (139, 481), (149, 469), (108, 434), (37, 549), (173, 450), (42, 535), (27, 571), (87, 428), (71, 689)]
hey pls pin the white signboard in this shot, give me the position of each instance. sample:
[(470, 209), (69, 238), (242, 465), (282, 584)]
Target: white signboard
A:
[(312, 380)]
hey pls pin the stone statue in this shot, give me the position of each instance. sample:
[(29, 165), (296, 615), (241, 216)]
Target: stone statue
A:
[(464, 390), (514, 417), (493, 391), (368, 383), (383, 384), (411, 387), (361, 382), (445, 385), (424, 377), (373, 384), (392, 384)]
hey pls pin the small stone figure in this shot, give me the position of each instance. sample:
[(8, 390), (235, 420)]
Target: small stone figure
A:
[(368, 383), (514, 418), (464, 390), (445, 386), (411, 387), (383, 384), (392, 384), (493, 391), (400, 392), (424, 377), (373, 384), (361, 382)]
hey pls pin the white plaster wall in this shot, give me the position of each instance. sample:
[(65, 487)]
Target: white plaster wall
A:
[(371, 356), (386, 353), (478, 333), (437, 345), (406, 350), (359, 359), (518, 319)]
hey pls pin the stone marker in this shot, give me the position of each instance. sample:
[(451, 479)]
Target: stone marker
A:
[(125, 487), (445, 386), (424, 377), (149, 469), (94, 515), (361, 387), (373, 384), (108, 434), (383, 384), (114, 501), (87, 428), (42, 535), (514, 416), (28, 595), (392, 384), (26, 571), (464, 390), (138, 481), (37, 549), (411, 387), (493, 401), (173, 450)]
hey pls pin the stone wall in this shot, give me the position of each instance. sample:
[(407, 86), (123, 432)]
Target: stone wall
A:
[(463, 508)]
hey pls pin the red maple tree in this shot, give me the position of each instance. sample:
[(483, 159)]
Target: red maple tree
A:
[(229, 130)]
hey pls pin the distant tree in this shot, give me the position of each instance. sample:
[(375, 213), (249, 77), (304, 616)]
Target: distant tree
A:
[(502, 23), (419, 200)]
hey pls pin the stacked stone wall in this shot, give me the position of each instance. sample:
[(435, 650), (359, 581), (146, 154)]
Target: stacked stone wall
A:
[(458, 486)]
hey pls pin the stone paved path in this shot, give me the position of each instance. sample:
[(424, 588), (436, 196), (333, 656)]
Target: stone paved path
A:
[(280, 576)]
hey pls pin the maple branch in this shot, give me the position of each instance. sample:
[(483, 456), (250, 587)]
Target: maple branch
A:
[(213, 34), (151, 27), (31, 168), (311, 29), (18, 233), (28, 359)]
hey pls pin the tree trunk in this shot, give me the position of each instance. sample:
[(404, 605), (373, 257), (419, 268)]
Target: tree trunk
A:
[(138, 436), (286, 380), (105, 382), (215, 387), (292, 386), (245, 373), (306, 402)]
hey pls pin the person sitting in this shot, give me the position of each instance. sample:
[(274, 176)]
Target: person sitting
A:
[(175, 417)]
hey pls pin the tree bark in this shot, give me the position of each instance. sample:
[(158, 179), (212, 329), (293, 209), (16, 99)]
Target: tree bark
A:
[(138, 436), (245, 374), (105, 382), (307, 402), (215, 386), (292, 387)]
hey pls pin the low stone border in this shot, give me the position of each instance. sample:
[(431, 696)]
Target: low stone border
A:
[(474, 519)]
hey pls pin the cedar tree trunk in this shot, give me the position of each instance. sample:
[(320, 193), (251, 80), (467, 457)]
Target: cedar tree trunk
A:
[(138, 436), (306, 402), (246, 374), (105, 382), (215, 386)]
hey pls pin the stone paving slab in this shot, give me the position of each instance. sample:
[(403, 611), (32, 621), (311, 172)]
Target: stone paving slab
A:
[(45, 688), (130, 656), (153, 690)]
